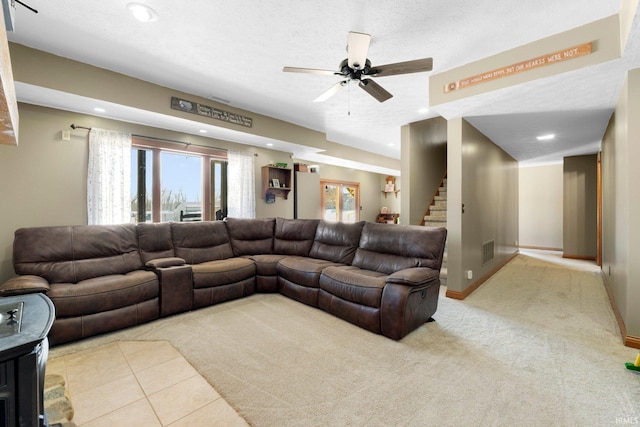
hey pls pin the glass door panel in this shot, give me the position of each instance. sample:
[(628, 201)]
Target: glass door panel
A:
[(181, 191)]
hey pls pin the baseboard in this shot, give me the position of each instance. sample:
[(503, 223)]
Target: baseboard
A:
[(582, 257), (628, 340), (631, 341), (462, 295), (540, 248)]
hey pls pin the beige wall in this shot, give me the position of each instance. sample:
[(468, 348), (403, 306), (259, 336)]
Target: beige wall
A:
[(540, 206), (424, 162), (580, 209), (485, 180), (54, 72), (621, 206), (43, 180)]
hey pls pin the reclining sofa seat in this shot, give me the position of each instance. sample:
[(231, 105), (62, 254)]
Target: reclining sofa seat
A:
[(334, 244), (392, 285), (253, 239), (93, 274), (217, 275)]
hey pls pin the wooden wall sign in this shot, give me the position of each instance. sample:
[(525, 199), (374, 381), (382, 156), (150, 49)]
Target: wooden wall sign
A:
[(208, 111), (530, 64)]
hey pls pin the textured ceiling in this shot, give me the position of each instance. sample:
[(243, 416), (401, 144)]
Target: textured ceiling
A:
[(235, 51)]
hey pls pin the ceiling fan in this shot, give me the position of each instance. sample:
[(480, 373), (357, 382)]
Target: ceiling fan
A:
[(356, 67)]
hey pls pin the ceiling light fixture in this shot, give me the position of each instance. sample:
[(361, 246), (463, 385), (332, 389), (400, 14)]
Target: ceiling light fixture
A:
[(203, 131), (424, 110), (547, 137), (99, 110), (142, 12)]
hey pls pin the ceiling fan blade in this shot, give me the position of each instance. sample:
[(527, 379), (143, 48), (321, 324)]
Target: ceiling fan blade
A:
[(375, 90), (357, 49), (407, 67), (309, 71), (332, 91)]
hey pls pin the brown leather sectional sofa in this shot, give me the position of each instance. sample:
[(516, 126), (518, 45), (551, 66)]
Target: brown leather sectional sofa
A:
[(381, 277)]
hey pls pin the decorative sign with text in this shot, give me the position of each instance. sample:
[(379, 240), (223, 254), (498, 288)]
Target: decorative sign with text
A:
[(207, 111), (540, 61)]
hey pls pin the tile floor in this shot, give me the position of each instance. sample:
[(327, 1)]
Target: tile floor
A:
[(141, 384)]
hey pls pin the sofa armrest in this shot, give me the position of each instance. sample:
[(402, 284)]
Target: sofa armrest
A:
[(165, 262), (413, 276), (26, 284)]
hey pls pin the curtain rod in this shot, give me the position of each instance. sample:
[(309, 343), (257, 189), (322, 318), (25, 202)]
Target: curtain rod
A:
[(187, 144)]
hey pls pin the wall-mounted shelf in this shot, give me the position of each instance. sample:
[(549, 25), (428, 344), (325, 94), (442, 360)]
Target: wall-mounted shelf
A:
[(282, 179), (390, 186), (392, 192)]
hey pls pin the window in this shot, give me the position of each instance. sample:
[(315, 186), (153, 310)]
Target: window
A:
[(340, 201), (173, 184)]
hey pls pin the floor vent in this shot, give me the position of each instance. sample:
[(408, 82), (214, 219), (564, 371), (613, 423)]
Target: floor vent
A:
[(488, 251)]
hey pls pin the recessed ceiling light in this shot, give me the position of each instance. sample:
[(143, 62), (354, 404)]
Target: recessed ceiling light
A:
[(142, 12), (547, 137), (424, 110), (269, 144), (390, 145), (203, 131), (99, 110)]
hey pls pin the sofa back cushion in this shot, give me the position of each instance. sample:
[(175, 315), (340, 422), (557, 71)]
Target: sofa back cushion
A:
[(198, 242), (388, 248), (336, 241), (155, 241), (69, 254), (294, 236), (251, 236)]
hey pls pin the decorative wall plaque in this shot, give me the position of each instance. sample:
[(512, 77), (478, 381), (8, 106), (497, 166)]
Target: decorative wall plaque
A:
[(208, 111), (530, 64)]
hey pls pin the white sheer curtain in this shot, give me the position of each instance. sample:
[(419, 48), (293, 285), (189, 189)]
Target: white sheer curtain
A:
[(241, 193), (109, 177)]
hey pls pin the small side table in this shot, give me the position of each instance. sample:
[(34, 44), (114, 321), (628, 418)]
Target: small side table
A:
[(25, 321)]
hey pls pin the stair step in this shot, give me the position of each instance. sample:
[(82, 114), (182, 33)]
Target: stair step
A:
[(442, 206), (443, 194), (440, 198)]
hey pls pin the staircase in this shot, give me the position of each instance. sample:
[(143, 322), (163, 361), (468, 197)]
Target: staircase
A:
[(436, 216)]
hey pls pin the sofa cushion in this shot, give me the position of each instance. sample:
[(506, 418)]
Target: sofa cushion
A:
[(294, 236), (336, 241), (303, 271), (251, 236), (266, 264), (353, 284), (70, 254), (198, 242), (103, 293), (155, 241), (222, 272), (388, 248)]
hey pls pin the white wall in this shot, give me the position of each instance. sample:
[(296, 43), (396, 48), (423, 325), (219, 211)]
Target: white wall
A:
[(540, 206)]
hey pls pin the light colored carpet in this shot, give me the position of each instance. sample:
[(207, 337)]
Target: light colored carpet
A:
[(536, 345)]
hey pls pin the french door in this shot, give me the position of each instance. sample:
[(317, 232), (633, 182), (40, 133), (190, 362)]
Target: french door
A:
[(340, 201)]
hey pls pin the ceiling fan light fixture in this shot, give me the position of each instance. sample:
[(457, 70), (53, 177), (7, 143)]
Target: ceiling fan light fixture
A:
[(142, 12)]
